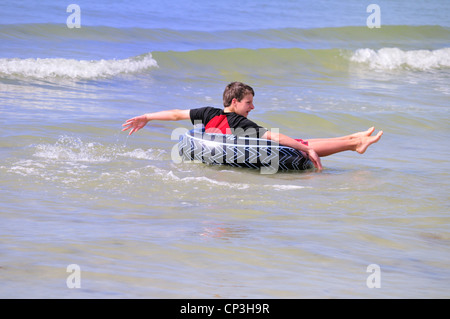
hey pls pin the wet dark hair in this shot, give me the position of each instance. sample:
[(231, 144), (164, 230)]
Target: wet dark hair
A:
[(236, 90)]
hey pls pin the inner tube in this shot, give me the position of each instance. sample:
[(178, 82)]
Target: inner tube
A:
[(240, 151)]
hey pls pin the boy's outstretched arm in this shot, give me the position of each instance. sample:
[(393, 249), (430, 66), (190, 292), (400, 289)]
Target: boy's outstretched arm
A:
[(290, 142), (138, 122)]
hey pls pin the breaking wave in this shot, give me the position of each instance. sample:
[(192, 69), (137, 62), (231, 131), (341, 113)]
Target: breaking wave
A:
[(395, 58), (44, 68)]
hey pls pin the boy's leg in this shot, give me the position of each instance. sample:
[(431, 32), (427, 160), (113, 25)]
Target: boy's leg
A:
[(358, 142), (347, 137)]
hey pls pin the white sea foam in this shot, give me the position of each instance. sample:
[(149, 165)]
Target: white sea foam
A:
[(150, 154), (286, 187), (74, 69), (69, 160), (394, 58), (74, 150), (71, 149), (200, 180), (203, 180)]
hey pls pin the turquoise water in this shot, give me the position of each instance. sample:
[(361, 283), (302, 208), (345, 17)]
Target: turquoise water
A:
[(77, 190)]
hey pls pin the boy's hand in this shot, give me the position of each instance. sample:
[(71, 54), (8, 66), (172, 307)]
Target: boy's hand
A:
[(135, 123), (314, 158)]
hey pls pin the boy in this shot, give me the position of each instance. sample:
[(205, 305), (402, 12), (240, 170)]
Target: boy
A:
[(238, 102)]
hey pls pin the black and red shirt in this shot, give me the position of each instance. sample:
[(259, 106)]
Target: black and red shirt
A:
[(217, 121)]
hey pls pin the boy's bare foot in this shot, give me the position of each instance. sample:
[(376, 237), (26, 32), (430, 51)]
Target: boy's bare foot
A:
[(364, 133), (366, 141)]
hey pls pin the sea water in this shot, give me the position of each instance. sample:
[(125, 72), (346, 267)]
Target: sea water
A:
[(87, 211)]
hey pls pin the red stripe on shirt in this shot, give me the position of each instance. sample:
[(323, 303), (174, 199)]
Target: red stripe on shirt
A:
[(218, 124)]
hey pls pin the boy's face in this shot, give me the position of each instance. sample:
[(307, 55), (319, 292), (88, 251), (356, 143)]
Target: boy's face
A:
[(244, 106)]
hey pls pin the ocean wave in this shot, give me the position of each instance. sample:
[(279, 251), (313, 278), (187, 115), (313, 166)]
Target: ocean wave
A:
[(274, 63), (395, 58), (163, 39), (212, 63), (283, 63), (44, 68), (50, 31)]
